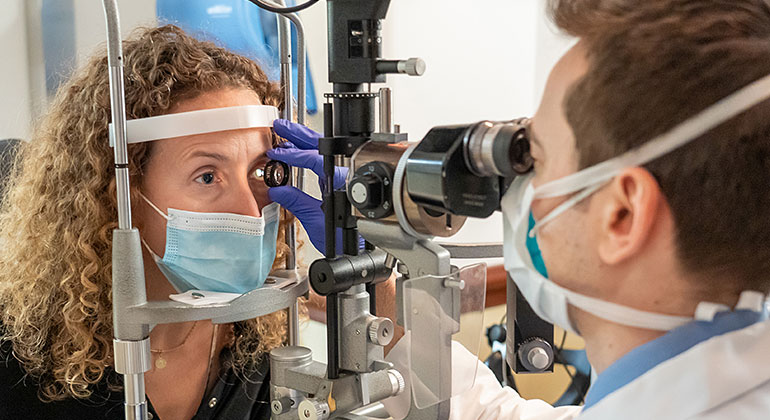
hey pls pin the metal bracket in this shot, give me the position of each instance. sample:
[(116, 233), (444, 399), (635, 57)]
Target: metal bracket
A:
[(474, 251)]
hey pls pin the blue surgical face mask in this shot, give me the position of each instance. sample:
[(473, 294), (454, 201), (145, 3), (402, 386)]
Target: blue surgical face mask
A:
[(534, 249), (218, 252)]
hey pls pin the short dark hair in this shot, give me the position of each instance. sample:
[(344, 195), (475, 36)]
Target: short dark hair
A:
[(653, 64)]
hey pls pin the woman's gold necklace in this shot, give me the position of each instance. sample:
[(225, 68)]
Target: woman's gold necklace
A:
[(160, 362)]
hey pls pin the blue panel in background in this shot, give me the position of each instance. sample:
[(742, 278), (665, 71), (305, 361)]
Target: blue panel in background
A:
[(58, 30), (239, 26)]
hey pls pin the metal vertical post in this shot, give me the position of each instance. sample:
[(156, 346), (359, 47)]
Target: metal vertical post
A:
[(297, 177), (386, 110), (131, 342)]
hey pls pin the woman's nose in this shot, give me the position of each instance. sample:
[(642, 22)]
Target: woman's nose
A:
[(242, 200)]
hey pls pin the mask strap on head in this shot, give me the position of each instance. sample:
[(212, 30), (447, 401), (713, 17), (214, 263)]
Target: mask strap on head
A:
[(564, 207), (160, 212), (197, 122), (687, 131)]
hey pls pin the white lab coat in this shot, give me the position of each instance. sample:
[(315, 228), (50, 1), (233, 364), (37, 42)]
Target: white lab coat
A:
[(486, 399), (725, 377)]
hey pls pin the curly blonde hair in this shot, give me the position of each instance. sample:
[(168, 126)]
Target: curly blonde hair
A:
[(58, 215)]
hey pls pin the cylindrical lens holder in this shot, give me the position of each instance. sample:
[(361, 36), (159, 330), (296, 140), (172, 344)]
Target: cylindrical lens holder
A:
[(275, 173), (498, 148)]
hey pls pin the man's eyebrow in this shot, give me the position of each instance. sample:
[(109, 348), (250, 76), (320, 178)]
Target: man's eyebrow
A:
[(532, 137)]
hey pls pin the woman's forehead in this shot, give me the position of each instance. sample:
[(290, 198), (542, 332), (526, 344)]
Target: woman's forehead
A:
[(221, 98), (233, 145)]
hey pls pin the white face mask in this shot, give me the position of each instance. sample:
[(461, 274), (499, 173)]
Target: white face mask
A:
[(549, 300)]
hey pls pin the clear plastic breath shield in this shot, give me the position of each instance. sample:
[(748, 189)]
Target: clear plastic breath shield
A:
[(433, 309)]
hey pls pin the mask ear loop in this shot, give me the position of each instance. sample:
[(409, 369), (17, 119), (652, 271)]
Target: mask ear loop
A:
[(564, 207), (160, 212), (146, 245)]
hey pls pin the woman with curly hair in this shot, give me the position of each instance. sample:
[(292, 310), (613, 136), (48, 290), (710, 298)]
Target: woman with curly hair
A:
[(56, 227)]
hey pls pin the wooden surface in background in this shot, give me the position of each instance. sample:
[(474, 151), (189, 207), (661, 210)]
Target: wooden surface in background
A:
[(496, 277)]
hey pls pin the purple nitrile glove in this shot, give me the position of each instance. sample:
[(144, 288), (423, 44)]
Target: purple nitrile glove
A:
[(308, 210), (302, 152)]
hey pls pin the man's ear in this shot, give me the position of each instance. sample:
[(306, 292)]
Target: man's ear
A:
[(630, 208)]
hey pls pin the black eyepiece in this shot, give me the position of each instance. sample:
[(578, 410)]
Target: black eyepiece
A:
[(498, 148)]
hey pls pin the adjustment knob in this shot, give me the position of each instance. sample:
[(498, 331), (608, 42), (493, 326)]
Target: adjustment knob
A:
[(370, 190), (412, 67), (535, 355), (313, 410), (539, 358), (281, 405), (367, 191), (381, 331), (397, 383)]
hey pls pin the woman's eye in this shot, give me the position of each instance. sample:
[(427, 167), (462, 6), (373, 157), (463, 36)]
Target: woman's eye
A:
[(207, 178)]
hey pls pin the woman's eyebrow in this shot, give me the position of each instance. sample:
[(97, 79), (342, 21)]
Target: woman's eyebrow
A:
[(261, 156), (210, 155)]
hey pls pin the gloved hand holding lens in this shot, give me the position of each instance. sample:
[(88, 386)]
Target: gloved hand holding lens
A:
[(301, 151)]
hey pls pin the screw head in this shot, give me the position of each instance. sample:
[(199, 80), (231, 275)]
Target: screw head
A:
[(276, 407)]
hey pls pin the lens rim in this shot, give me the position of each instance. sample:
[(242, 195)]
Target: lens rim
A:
[(492, 148), (271, 169)]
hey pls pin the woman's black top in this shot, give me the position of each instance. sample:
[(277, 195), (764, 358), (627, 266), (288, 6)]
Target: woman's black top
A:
[(234, 397)]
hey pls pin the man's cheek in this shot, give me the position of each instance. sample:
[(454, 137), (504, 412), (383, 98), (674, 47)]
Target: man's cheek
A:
[(541, 208)]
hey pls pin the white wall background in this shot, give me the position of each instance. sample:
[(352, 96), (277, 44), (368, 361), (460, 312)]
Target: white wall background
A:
[(480, 67), (90, 31), (15, 105)]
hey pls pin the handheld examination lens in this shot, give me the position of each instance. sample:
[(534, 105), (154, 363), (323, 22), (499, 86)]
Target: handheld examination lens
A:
[(275, 173)]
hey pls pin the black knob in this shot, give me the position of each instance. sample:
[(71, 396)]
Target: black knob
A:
[(367, 191), (370, 190)]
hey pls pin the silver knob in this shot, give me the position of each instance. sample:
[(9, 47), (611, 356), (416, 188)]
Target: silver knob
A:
[(401, 267), (396, 381), (313, 410), (535, 354), (539, 358), (381, 331), (358, 193), (281, 405), (412, 66)]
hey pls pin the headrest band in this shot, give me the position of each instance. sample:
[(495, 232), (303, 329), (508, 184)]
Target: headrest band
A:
[(197, 122)]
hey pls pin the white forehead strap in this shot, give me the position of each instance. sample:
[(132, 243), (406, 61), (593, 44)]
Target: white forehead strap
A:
[(197, 122)]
